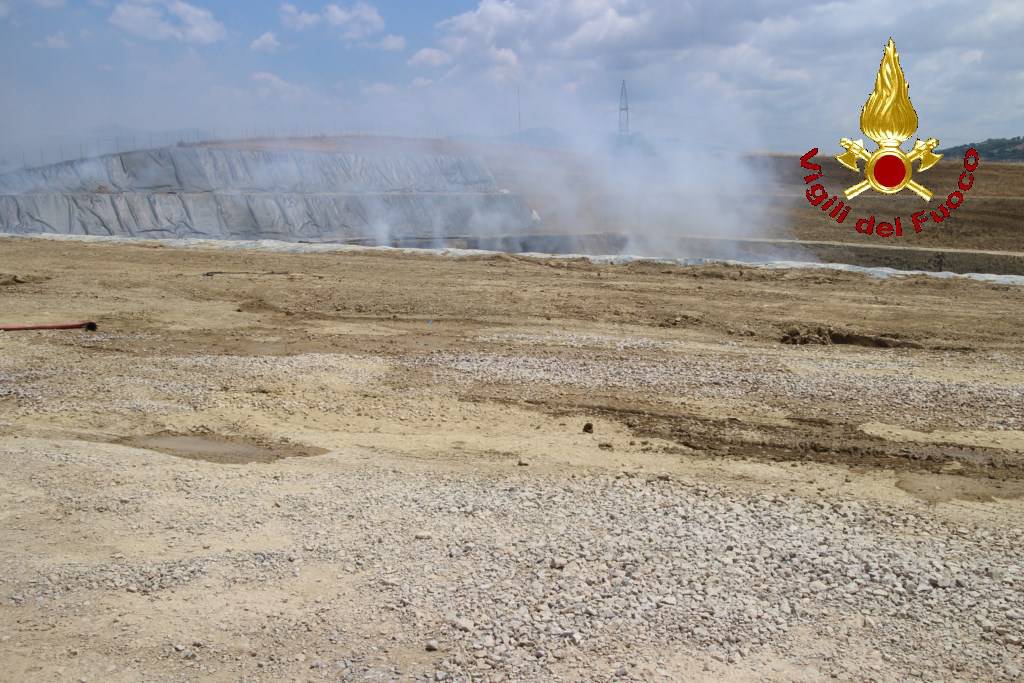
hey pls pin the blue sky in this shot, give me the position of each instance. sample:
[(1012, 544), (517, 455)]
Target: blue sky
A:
[(765, 75), (108, 47)]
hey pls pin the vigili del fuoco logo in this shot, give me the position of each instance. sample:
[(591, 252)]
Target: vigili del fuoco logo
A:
[(889, 119)]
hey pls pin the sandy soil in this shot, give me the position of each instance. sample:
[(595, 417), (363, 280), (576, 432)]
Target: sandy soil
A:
[(373, 466)]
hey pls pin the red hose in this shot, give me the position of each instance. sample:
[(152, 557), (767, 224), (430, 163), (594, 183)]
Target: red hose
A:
[(55, 326)]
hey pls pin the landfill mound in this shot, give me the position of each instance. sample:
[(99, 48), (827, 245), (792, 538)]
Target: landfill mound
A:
[(292, 195)]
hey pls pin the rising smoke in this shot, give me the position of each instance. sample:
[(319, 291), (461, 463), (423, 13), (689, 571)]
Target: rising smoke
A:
[(681, 172)]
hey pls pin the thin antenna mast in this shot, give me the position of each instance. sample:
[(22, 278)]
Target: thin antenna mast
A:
[(623, 110)]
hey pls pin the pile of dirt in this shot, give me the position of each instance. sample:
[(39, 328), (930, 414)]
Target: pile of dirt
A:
[(8, 279), (289, 195), (829, 335)]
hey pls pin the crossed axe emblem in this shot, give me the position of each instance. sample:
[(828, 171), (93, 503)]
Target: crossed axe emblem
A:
[(889, 169)]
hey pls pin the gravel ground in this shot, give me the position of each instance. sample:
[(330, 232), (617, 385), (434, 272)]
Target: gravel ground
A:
[(494, 469), (858, 384), (517, 576)]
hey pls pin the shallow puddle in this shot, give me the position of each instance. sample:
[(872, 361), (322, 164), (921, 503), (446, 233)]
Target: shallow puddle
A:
[(221, 450)]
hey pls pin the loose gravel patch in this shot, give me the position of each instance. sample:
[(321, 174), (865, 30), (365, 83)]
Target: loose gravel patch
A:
[(167, 384), (595, 577), (857, 387)]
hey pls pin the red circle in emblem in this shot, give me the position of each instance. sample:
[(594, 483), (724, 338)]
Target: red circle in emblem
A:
[(889, 170)]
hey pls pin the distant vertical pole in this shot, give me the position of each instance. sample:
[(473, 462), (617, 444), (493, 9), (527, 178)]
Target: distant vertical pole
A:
[(623, 110)]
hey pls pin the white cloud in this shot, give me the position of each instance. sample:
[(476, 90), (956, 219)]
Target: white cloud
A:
[(786, 75), (142, 20), (167, 20), (496, 30), (356, 22), (504, 57), (297, 20), (756, 59), (390, 43), (198, 23), (58, 41), (271, 86), (265, 43), (430, 56), (1002, 15), (379, 89), (359, 21), (606, 29)]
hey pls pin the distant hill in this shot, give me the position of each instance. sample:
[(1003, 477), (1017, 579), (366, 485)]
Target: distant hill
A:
[(993, 149)]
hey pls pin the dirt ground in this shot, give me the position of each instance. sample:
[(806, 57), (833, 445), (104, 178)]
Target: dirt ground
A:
[(376, 466), (988, 219)]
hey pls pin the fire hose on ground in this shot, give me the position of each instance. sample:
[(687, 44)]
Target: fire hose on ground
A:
[(84, 325)]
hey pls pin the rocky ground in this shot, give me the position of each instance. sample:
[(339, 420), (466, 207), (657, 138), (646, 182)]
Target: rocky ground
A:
[(376, 467)]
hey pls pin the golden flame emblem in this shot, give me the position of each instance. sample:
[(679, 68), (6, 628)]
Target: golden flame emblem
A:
[(889, 118)]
